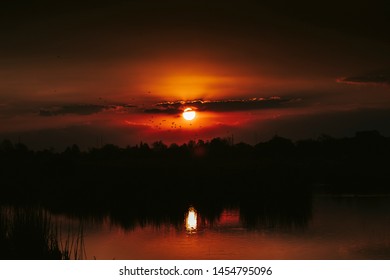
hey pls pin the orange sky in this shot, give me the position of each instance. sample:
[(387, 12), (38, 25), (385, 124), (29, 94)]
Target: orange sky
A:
[(72, 73)]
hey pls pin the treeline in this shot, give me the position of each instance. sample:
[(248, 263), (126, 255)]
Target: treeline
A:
[(270, 181), (363, 144), (216, 169)]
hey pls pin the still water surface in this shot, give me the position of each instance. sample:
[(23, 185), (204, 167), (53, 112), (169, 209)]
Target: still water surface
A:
[(338, 228)]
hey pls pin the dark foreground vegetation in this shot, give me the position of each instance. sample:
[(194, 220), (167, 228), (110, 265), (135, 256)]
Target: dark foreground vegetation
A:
[(29, 233), (271, 182)]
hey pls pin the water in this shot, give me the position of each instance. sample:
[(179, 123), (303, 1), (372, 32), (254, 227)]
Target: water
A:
[(337, 228), (322, 227)]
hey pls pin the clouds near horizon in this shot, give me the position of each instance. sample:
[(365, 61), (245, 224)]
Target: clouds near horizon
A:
[(372, 78)]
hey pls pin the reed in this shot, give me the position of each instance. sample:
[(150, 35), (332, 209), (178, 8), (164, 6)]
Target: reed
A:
[(72, 246), (29, 233)]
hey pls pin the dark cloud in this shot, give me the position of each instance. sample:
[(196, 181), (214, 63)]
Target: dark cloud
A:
[(81, 109), (88, 136), (336, 124), (374, 78), (176, 107)]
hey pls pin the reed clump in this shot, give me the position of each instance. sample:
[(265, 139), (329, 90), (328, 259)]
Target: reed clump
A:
[(29, 233)]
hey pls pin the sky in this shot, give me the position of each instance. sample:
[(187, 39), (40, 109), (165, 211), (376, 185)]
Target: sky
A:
[(121, 72)]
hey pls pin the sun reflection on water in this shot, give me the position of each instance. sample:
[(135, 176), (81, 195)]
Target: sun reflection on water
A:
[(191, 220)]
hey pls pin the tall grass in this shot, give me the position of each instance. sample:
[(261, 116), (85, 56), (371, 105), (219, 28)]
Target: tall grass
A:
[(29, 233), (72, 247)]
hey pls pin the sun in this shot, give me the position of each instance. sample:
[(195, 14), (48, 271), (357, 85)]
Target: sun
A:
[(189, 114)]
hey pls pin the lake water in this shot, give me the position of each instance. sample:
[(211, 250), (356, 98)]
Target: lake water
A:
[(346, 227)]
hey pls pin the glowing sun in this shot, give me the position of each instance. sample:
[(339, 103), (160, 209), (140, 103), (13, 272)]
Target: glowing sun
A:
[(189, 114)]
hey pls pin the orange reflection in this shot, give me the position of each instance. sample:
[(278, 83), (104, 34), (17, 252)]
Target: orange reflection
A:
[(191, 220)]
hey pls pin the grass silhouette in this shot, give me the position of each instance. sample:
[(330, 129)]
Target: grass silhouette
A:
[(29, 233)]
